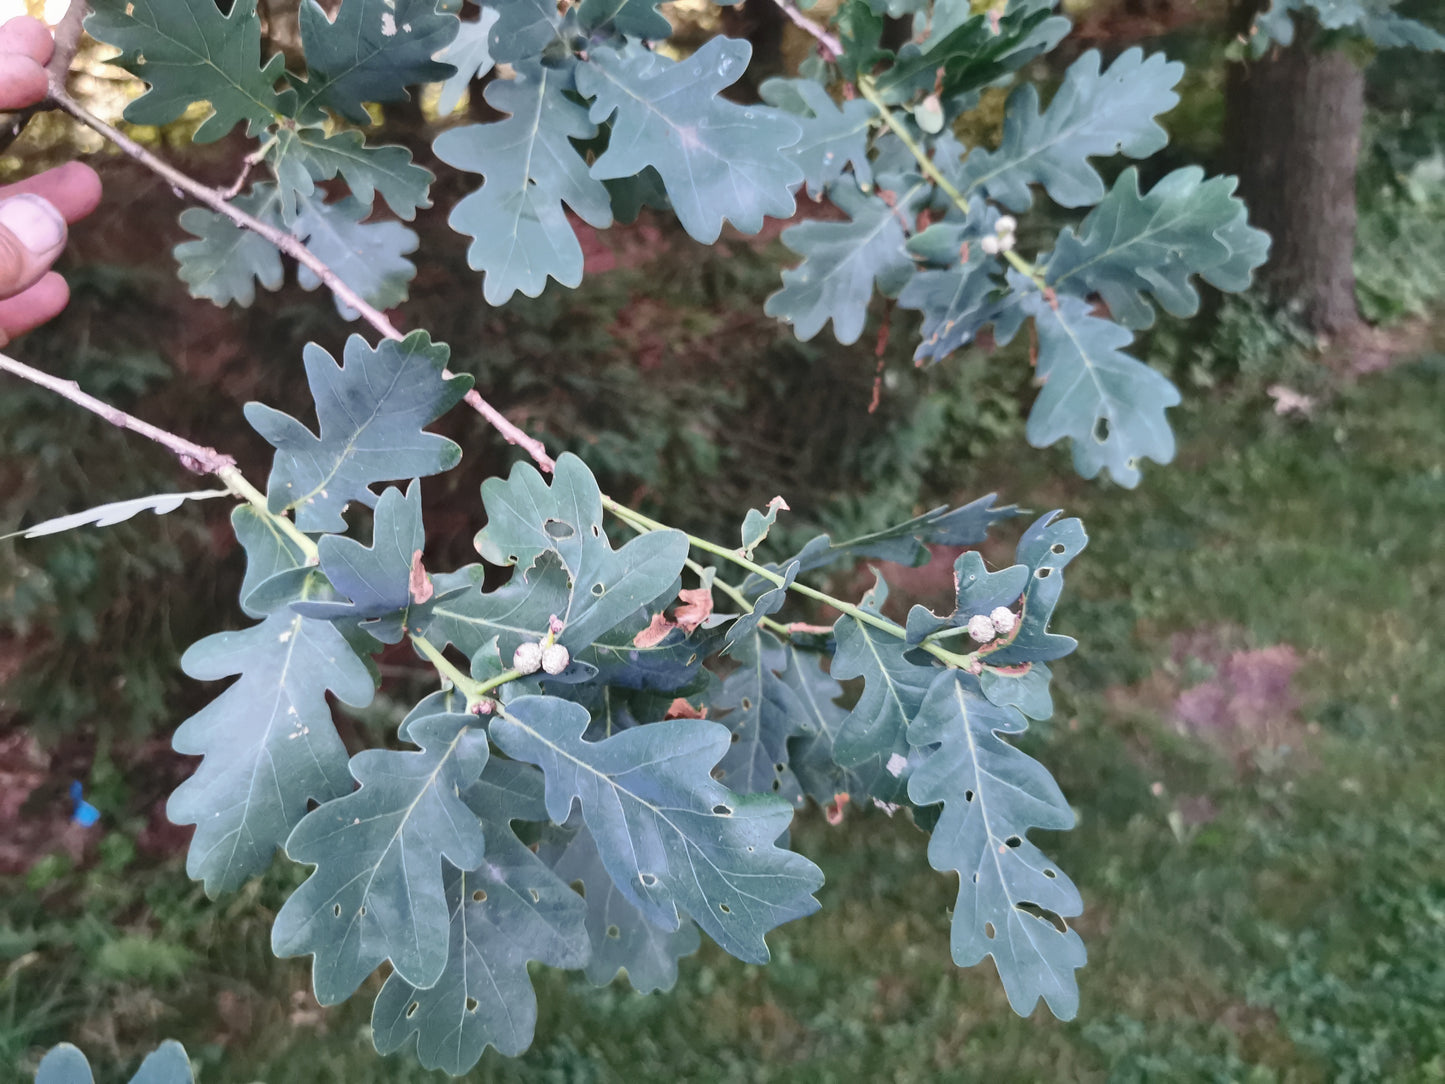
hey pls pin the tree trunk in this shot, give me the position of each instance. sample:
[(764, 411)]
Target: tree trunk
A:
[(1293, 136)]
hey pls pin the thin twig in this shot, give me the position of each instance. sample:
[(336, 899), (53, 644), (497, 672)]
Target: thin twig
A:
[(831, 46), (67, 42), (193, 457), (292, 247)]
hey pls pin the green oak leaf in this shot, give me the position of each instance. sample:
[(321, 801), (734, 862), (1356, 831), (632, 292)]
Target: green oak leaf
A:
[(527, 518), (957, 303), (373, 409), (268, 742), (1091, 114), (65, 1064), (191, 53), (762, 713), (371, 52), (844, 261), (622, 939), (376, 892), (519, 229), (302, 156), (375, 580), (671, 836), (992, 794), (977, 591), (269, 552), (471, 54), (1131, 244), (1108, 404), (811, 751), (769, 602), (1371, 18), (834, 136), (873, 740), (757, 524), (1047, 546), (718, 160), (523, 30), (367, 256), (225, 262), (511, 909), (635, 18)]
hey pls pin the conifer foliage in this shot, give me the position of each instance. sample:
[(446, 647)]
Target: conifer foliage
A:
[(622, 706)]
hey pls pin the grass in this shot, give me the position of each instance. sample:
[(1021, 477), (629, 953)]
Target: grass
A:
[(1292, 934)]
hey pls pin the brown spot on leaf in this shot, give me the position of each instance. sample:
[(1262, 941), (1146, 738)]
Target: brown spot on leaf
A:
[(655, 631), (420, 583)]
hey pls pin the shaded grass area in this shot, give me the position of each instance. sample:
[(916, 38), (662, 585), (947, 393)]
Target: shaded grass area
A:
[(1294, 932)]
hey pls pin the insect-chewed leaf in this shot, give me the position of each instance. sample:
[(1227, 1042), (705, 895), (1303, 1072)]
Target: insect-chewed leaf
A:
[(104, 515), (268, 741), (527, 518), (844, 261), (523, 30), (1108, 404), (719, 160), (302, 156), (834, 136), (510, 909), (225, 262), (874, 736), (65, 1064), (520, 232), (670, 836), (471, 54), (1131, 244), (1046, 547), (762, 713), (376, 893), (372, 410), (957, 303), (621, 937), (978, 592), (368, 256), (1091, 114), (371, 52), (192, 53), (667, 665), (992, 794)]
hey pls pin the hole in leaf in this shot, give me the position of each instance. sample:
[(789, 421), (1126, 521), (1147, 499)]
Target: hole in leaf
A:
[(777, 784), (579, 888), (718, 774), (362, 912), (1057, 547), (724, 908), (1044, 573), (412, 1008), (723, 810), (747, 703), (1051, 917), (1101, 430), (479, 895), (613, 932), (780, 768), (968, 796), (598, 590), (596, 531), (559, 530), (336, 910), (511, 558), (1050, 874), (1013, 841), (473, 1004), (736, 737), (988, 930), (975, 878), (536, 896), (750, 849), (648, 879)]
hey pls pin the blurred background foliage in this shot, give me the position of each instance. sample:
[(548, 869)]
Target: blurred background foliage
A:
[(1249, 732)]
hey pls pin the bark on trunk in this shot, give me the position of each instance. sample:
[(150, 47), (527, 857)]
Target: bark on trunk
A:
[(1293, 128)]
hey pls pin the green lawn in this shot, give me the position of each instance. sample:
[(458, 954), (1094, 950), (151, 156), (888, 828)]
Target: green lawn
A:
[(1264, 903)]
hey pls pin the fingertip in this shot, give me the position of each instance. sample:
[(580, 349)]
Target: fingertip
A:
[(29, 37), (23, 81), (77, 190), (27, 311)]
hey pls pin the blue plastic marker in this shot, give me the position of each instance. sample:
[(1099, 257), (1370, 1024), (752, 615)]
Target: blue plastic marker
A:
[(85, 814)]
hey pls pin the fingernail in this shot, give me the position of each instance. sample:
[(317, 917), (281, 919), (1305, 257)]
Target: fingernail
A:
[(34, 221)]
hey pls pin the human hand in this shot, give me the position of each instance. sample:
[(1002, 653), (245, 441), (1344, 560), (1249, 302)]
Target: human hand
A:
[(35, 212)]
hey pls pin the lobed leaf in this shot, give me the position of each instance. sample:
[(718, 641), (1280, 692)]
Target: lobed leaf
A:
[(718, 160), (372, 409), (191, 53), (376, 893), (521, 235), (1108, 404), (104, 515), (225, 262), (523, 30), (762, 713), (65, 1064), (1012, 901), (834, 136), (367, 256), (671, 837), (302, 156), (1093, 113)]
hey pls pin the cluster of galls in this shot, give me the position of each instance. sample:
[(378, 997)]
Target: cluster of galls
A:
[(546, 654), (1003, 237), (984, 627)]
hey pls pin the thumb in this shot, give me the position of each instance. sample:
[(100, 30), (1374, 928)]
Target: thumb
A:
[(32, 234)]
